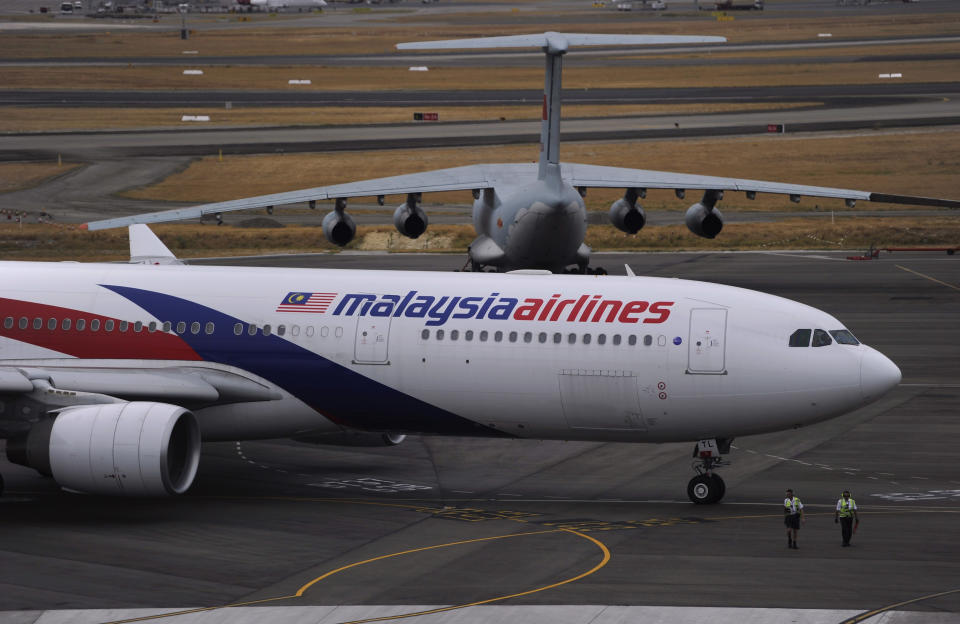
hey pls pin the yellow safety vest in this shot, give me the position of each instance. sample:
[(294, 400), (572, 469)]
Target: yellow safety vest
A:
[(846, 507), (793, 505)]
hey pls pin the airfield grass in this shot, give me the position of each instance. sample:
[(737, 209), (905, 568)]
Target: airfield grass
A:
[(56, 243), (25, 119), (21, 175), (916, 162)]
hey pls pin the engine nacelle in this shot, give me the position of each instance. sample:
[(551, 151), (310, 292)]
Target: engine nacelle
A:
[(116, 449), (627, 217), (703, 221), (410, 220), (355, 438), (339, 228)]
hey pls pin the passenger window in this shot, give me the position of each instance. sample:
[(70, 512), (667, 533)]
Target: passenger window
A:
[(23, 322), (138, 326), (468, 335), (251, 329), (266, 330), (498, 336), (195, 328), (572, 338), (542, 337), (237, 329), (281, 329), (632, 340), (454, 334), (81, 323), (108, 325), (124, 326), (166, 326), (65, 325), (557, 338), (800, 338), (38, 323), (821, 338), (439, 334), (602, 339), (8, 322), (527, 336), (94, 325), (323, 331), (586, 339), (843, 336), (181, 327), (52, 324), (616, 339), (513, 336), (208, 329), (647, 340), (483, 336), (338, 332), (152, 327), (425, 334), (661, 341), (295, 330)]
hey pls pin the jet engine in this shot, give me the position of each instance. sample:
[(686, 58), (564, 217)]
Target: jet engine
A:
[(338, 227), (626, 214), (115, 449), (355, 438), (704, 218), (409, 219)]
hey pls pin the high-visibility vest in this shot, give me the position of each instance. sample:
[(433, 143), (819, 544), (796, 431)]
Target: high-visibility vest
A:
[(847, 506), (792, 504)]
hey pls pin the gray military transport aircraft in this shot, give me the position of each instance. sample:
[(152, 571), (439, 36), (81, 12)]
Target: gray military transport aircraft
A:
[(526, 215)]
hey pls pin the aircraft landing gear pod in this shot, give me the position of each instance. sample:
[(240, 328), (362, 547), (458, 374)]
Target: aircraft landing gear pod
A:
[(707, 487)]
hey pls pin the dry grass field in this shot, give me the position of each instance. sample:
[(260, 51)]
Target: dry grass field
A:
[(921, 162), (17, 176), (24, 119), (46, 242)]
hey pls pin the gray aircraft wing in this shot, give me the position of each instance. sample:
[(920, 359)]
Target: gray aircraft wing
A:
[(470, 177), (596, 176)]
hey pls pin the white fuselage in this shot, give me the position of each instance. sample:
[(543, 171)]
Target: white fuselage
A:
[(537, 356)]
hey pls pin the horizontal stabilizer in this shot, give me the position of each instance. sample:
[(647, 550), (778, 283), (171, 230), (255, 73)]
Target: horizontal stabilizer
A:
[(553, 39)]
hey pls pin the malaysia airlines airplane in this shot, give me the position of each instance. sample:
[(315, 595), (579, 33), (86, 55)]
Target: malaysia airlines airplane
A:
[(111, 376), (531, 216)]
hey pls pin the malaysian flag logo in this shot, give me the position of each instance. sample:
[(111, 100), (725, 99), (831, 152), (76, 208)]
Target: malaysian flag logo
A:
[(316, 303)]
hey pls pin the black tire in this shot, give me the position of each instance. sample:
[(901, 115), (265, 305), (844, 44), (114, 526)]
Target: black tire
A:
[(721, 487), (702, 490)]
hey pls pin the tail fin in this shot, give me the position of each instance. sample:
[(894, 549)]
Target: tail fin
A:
[(554, 46)]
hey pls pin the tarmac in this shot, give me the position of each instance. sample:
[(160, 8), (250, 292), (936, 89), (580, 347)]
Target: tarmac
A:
[(538, 531)]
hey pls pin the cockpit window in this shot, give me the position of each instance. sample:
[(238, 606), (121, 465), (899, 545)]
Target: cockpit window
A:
[(821, 338), (843, 336), (800, 338)]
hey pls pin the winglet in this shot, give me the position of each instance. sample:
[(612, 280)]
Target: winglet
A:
[(146, 248)]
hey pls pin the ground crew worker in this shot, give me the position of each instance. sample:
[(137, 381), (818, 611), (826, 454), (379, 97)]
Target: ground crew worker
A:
[(846, 515), (792, 518)]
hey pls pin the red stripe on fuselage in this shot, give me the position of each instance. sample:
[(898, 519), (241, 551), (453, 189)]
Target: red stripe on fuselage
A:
[(85, 343)]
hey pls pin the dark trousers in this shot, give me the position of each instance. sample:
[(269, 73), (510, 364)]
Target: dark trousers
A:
[(846, 527)]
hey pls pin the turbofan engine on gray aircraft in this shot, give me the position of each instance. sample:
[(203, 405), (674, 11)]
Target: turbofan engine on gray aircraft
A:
[(409, 219), (626, 214), (704, 218), (338, 227), (117, 449)]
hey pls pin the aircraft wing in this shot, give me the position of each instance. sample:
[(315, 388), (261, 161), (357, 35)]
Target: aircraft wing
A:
[(596, 176), (469, 177)]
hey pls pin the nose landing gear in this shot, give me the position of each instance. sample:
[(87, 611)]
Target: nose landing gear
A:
[(707, 487)]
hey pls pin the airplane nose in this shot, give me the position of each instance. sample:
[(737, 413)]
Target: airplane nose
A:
[(878, 374)]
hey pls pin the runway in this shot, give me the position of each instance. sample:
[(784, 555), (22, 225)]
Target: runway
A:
[(529, 527)]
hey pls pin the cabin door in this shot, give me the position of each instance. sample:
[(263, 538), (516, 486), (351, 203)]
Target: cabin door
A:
[(373, 337), (707, 345)]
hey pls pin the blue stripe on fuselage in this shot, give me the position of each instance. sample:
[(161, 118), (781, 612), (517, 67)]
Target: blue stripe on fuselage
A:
[(341, 394)]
